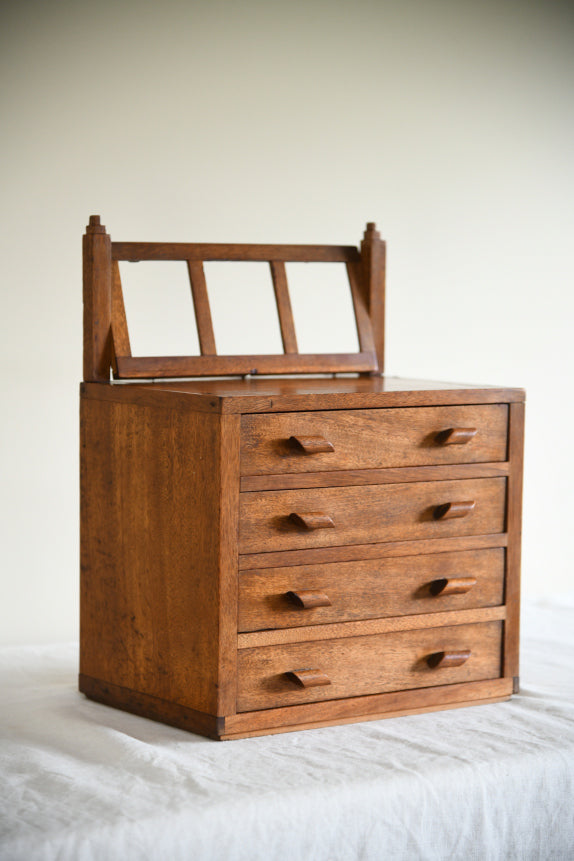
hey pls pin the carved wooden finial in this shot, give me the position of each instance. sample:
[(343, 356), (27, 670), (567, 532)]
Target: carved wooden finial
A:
[(94, 225), (371, 231)]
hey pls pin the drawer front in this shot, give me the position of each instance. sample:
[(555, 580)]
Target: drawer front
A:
[(372, 439), (371, 589), (325, 517), (274, 676)]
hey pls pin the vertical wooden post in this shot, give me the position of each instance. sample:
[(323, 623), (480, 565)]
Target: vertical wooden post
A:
[(514, 530), (97, 265), (373, 260)]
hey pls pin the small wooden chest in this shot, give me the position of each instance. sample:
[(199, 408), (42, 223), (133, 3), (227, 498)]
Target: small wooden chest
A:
[(266, 554)]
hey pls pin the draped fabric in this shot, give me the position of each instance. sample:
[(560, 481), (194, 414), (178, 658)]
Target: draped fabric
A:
[(81, 781)]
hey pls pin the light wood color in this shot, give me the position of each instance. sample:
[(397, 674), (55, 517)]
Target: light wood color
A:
[(357, 666), (369, 589), (370, 439), (149, 601), (262, 555), (370, 514)]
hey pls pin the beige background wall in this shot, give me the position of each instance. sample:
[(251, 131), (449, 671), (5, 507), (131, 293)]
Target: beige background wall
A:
[(448, 122)]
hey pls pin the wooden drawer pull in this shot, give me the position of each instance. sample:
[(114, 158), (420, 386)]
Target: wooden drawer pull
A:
[(455, 436), (311, 444), (450, 510), (457, 658), (453, 586), (306, 599), (312, 520), (308, 678)]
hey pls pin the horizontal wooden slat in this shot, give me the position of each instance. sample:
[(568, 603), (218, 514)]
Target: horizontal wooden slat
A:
[(135, 251), (340, 630), (146, 367), (350, 552), (374, 707), (392, 475)]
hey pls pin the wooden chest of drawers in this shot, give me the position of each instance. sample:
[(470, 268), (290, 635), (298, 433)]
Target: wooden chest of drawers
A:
[(262, 555)]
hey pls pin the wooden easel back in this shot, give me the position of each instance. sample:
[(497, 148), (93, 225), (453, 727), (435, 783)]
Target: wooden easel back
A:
[(106, 336)]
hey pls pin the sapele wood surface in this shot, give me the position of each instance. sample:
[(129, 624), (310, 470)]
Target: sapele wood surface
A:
[(368, 589), (370, 514), (371, 439), (357, 666)]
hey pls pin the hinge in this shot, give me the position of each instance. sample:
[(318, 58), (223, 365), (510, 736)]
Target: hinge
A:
[(515, 684)]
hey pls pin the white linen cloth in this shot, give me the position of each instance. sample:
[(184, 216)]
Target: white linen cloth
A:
[(84, 782)]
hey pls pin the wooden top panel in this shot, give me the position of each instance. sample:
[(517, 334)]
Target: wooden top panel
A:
[(282, 394)]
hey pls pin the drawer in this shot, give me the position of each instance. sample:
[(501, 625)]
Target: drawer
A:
[(324, 517), (372, 589), (273, 676), (372, 439)]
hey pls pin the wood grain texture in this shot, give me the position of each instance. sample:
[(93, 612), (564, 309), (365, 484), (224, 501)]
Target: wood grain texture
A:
[(136, 251), (292, 718), (368, 589), (514, 527), (280, 394), (202, 308), (151, 707), (233, 396), (390, 475), (150, 551), (357, 552), (132, 367), (284, 310), (274, 637), (150, 396), (366, 665), (97, 299), (373, 263), (375, 705), (370, 514), (120, 334), (229, 439), (360, 307), (371, 439)]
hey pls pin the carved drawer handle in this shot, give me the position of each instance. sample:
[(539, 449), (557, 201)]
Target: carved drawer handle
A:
[(452, 586), (306, 599), (312, 444), (312, 520), (456, 658), (450, 510), (455, 436), (308, 678)]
